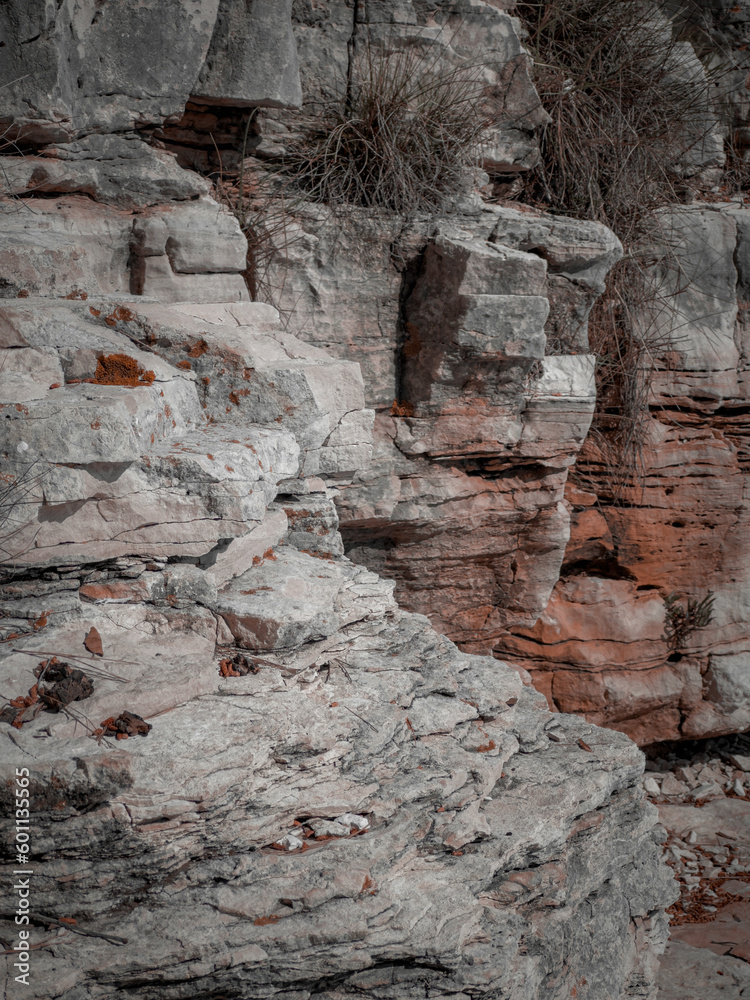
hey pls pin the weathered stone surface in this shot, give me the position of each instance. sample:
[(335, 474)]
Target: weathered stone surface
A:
[(473, 309), (78, 249), (252, 58), (249, 368), (684, 970), (315, 744), (81, 67), (598, 648), (73, 246), (120, 170), (454, 534)]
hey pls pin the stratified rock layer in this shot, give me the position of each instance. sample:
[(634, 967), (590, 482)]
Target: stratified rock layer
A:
[(276, 782), (332, 799), (599, 647)]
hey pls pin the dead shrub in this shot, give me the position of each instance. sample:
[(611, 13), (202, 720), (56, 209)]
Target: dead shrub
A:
[(401, 134), (632, 130)]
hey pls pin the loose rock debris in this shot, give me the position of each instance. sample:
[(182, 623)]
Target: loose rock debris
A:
[(693, 774), (68, 684), (125, 725), (65, 685), (321, 829), (237, 666)]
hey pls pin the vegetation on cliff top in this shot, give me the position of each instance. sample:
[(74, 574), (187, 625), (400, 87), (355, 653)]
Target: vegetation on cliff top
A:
[(634, 129)]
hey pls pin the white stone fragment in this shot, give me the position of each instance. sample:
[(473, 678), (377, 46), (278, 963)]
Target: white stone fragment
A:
[(329, 828), (290, 842), (650, 786), (353, 820)]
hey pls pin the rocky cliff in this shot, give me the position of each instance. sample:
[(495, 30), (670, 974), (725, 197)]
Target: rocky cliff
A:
[(467, 503), (252, 772)]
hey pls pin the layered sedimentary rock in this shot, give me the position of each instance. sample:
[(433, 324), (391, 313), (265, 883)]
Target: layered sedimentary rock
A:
[(471, 334), (317, 795), (464, 504), (599, 647), (250, 773)]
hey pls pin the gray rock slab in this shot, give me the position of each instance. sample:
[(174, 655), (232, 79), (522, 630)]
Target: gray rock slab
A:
[(80, 67), (72, 247), (687, 973), (475, 838), (119, 170), (252, 59)]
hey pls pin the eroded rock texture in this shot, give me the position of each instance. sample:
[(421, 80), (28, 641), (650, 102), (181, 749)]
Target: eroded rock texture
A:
[(471, 331), (599, 648), (272, 781)]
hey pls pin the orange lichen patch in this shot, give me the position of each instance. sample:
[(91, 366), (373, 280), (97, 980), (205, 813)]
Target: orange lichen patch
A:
[(206, 380), (486, 747), (119, 369), (263, 921), (235, 394), (23, 294), (247, 373), (95, 312), (117, 591), (199, 348), (185, 365), (119, 315), (78, 294), (328, 556), (40, 622), (96, 424), (55, 385), (209, 455), (402, 409), (229, 468), (295, 515)]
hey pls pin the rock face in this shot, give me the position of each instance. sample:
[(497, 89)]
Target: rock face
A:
[(75, 68), (248, 771), (324, 778), (471, 331), (598, 647), (477, 421)]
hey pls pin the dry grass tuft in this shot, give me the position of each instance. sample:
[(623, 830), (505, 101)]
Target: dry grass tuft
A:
[(632, 130), (401, 135)]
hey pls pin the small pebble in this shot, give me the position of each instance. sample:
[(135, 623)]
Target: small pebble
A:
[(738, 788), (327, 828), (352, 819), (290, 842), (650, 786)]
